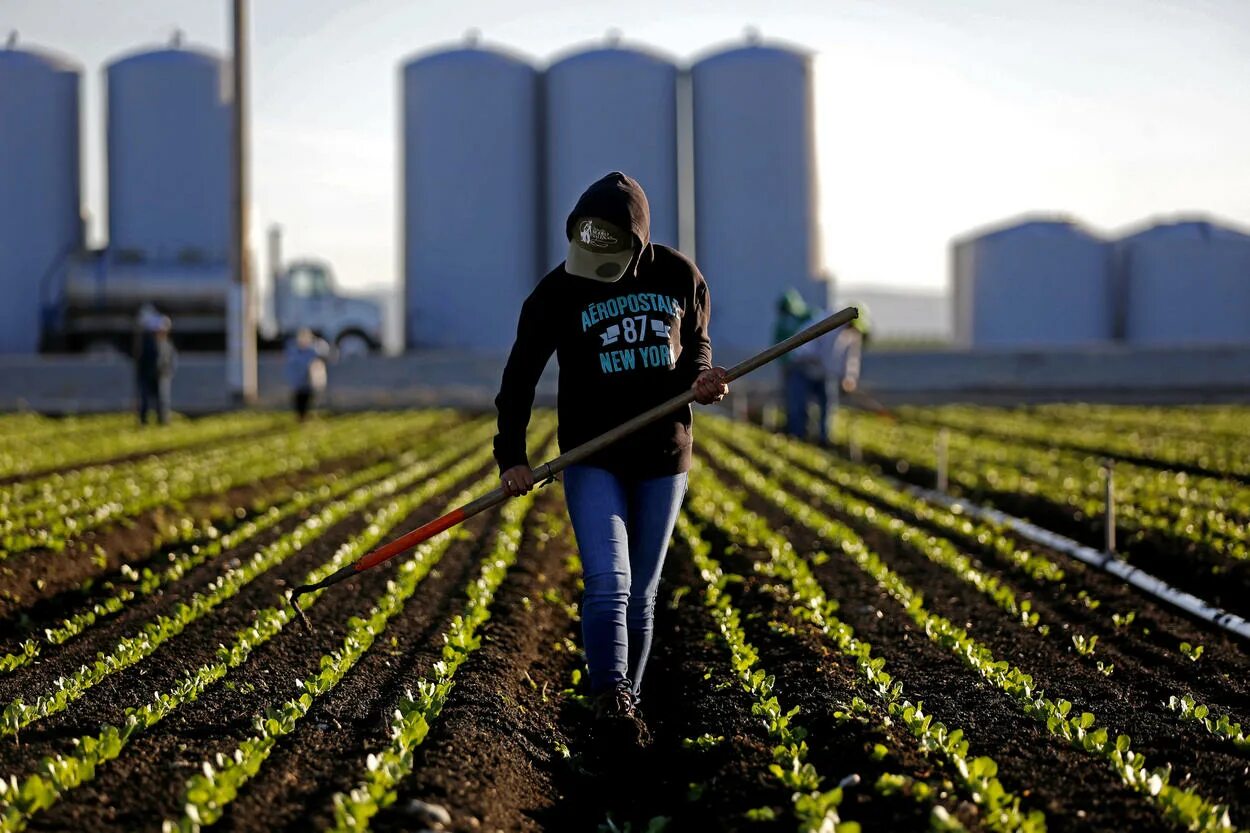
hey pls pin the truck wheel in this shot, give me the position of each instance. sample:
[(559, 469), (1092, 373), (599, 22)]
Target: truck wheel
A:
[(352, 345)]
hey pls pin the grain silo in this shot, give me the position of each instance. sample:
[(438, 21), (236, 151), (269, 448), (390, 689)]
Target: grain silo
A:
[(169, 157), (40, 212), (755, 181), (472, 185), (1185, 283), (610, 109), (1035, 282)]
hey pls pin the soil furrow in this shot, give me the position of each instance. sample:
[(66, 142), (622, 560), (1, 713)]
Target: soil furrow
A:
[(1149, 644), (40, 584), (812, 675), (491, 757), (1073, 789), (57, 661), (1130, 702), (106, 702), (328, 749), (147, 784)]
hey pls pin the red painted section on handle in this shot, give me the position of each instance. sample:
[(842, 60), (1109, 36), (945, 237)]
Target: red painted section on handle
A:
[(409, 540)]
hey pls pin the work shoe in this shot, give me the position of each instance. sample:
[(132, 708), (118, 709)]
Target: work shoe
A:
[(617, 701)]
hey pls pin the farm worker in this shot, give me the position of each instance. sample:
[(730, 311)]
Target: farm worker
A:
[(819, 371), (155, 362), (628, 322), (306, 356)]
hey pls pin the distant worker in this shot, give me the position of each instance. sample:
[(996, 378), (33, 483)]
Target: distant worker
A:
[(820, 371), (306, 357), (155, 363)]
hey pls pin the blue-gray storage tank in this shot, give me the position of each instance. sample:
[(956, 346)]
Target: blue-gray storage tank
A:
[(1035, 282), (607, 110), (755, 181), (1185, 283), (169, 156), (40, 212), (472, 210)]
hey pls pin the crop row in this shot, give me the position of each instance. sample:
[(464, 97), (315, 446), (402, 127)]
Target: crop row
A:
[(60, 450), (144, 582), (713, 503), (69, 507), (387, 767), (815, 809), (81, 487), (838, 484), (766, 451), (217, 785), (1222, 454), (1208, 513), (178, 563), (1222, 727), (1184, 806), (861, 480), (1208, 420), (19, 429), (54, 776), (938, 550), (166, 626)]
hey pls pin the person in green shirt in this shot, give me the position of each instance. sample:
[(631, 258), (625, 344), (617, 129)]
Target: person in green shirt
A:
[(819, 371)]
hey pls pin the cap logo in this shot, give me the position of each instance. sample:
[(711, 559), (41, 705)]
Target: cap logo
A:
[(592, 235)]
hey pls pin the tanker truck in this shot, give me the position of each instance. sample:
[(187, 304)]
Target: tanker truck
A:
[(94, 304)]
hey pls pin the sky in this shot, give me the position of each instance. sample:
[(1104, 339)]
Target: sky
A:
[(933, 117)]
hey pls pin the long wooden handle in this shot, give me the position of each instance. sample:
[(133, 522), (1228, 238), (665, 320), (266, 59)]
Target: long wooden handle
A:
[(575, 455)]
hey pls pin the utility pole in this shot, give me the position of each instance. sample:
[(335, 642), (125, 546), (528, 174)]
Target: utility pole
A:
[(241, 317)]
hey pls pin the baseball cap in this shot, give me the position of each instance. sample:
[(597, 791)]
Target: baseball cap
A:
[(598, 250)]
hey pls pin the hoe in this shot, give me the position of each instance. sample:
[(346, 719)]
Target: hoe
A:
[(547, 472)]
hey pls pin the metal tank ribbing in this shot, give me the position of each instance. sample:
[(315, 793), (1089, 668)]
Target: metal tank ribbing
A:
[(610, 109), (1034, 282), (754, 161), (1185, 282), (471, 197), (40, 197), (169, 157)]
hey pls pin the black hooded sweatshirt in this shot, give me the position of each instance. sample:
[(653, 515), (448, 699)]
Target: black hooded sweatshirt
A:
[(622, 347)]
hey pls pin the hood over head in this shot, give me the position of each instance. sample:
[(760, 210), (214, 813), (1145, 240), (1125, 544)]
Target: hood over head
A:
[(603, 251), (792, 303)]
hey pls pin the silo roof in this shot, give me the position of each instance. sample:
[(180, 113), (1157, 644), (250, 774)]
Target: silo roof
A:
[(591, 53), (1026, 223), (754, 49), (1189, 226), (165, 54), (24, 55), (463, 52)]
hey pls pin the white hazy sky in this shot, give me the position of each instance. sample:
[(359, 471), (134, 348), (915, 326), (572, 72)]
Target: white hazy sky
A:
[(933, 116)]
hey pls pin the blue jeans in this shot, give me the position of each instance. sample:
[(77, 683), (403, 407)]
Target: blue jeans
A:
[(623, 528), (801, 389)]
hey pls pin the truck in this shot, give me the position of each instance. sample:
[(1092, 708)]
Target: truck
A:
[(92, 303)]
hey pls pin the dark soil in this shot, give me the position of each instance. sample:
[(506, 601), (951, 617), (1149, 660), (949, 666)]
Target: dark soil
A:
[(814, 676), (1148, 647), (38, 586), (491, 756), (145, 784), (516, 749), (1130, 702), (1075, 790), (495, 758)]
